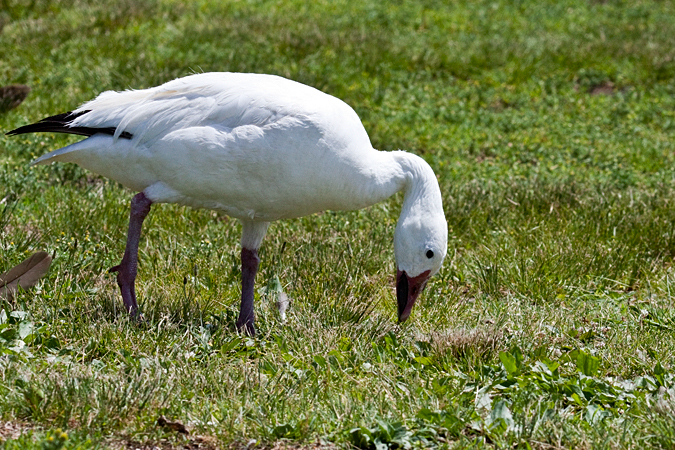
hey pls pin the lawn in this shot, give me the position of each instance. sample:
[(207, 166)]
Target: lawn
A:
[(551, 127)]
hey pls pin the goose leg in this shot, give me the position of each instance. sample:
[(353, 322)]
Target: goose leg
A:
[(127, 269), (249, 268)]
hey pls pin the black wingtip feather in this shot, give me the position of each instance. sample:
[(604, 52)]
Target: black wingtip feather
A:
[(59, 124)]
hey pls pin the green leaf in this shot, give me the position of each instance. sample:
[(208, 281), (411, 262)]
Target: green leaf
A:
[(428, 415), (659, 374), (25, 329), (509, 362), (386, 431), (320, 361), (424, 360), (284, 430), (17, 316), (230, 345), (500, 419), (518, 355), (361, 437), (586, 364), (595, 414)]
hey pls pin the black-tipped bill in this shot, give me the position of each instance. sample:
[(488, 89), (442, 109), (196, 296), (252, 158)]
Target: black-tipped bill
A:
[(402, 293), (407, 291)]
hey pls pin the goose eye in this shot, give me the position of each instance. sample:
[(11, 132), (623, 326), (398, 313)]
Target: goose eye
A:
[(430, 254)]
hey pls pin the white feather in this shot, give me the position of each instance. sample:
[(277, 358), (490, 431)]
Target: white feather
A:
[(259, 148)]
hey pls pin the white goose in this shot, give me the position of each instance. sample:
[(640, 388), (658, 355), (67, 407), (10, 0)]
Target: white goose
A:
[(258, 148)]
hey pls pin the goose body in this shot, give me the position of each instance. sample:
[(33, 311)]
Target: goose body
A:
[(256, 147)]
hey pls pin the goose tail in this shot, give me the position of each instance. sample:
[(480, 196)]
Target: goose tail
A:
[(61, 123), (56, 155)]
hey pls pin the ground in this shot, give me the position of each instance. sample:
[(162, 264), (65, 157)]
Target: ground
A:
[(550, 126)]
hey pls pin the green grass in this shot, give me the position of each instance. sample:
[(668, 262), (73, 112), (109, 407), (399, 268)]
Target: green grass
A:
[(551, 128)]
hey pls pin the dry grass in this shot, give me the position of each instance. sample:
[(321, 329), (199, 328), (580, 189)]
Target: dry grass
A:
[(483, 341), (14, 429)]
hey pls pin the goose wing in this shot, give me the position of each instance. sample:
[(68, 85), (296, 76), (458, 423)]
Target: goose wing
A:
[(226, 100)]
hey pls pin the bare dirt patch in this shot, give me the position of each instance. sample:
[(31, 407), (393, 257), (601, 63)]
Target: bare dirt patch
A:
[(13, 430), (606, 88)]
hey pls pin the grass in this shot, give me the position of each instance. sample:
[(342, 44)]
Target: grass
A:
[(551, 128)]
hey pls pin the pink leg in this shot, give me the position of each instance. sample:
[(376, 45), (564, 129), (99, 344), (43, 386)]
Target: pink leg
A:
[(127, 269), (249, 267)]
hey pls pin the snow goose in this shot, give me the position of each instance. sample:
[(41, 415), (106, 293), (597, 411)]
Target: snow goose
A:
[(256, 147)]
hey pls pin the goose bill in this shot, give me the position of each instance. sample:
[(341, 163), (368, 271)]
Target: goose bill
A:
[(407, 291)]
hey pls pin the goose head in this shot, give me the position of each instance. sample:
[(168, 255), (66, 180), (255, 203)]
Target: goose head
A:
[(420, 246)]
